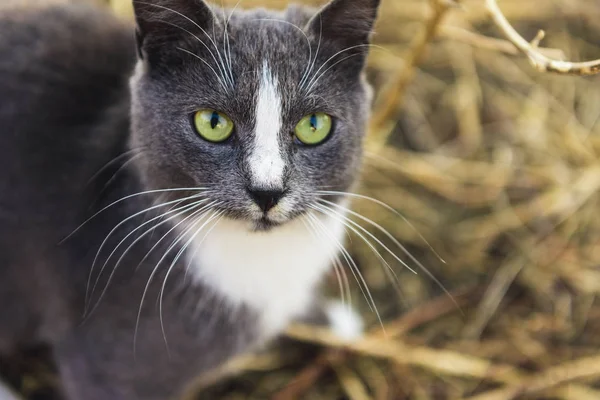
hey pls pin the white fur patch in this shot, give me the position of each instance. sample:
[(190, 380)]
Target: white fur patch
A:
[(344, 321), (266, 162), (274, 272)]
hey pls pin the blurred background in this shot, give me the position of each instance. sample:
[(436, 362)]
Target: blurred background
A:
[(494, 171)]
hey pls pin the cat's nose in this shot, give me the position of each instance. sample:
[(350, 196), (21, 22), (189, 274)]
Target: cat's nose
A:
[(266, 198)]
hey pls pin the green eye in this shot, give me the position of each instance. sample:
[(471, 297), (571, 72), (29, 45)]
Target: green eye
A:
[(213, 126), (314, 128)]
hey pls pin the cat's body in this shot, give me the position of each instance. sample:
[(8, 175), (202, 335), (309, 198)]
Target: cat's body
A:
[(157, 317)]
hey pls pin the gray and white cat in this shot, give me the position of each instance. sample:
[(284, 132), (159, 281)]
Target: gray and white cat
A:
[(161, 212)]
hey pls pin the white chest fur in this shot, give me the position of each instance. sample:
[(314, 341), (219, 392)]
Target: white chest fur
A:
[(273, 272)]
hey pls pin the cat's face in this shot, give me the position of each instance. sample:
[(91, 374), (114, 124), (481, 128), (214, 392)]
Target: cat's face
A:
[(263, 109)]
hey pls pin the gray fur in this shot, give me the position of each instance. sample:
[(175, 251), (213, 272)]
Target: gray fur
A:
[(66, 107), (166, 94)]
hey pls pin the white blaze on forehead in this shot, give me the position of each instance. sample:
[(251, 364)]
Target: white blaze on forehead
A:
[(266, 163)]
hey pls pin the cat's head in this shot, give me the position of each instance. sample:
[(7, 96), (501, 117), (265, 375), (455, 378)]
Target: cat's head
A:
[(263, 109)]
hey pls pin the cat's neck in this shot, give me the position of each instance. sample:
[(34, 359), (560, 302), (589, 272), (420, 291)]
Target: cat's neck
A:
[(274, 272)]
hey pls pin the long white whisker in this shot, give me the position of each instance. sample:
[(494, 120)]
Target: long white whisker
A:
[(118, 171), (227, 38), (348, 223), (155, 269), (389, 271), (179, 211), (379, 242), (204, 208), (310, 59), (206, 63), (314, 60), (177, 208), (181, 251), (121, 224), (111, 162), (335, 55), (355, 271), (225, 62), (402, 247), (387, 207), (337, 267), (316, 80), (221, 74), (221, 63), (320, 228), (170, 208), (196, 189)]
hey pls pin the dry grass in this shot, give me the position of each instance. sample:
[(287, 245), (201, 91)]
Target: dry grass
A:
[(497, 167)]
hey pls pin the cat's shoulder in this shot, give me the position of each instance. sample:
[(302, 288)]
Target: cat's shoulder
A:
[(64, 79), (62, 36)]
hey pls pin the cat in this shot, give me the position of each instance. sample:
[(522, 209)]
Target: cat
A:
[(172, 194)]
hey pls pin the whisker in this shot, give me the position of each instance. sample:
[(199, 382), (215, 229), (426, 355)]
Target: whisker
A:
[(316, 80), (335, 55), (227, 37), (170, 209), (179, 211), (388, 270), (204, 208), (135, 215), (310, 58), (191, 258), (337, 267), (314, 60), (155, 269), (181, 251), (111, 162), (387, 207), (314, 233), (403, 248), (355, 271), (206, 63), (379, 242), (127, 198), (221, 63), (121, 168)]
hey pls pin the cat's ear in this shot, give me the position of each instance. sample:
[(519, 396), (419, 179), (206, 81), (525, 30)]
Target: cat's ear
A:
[(160, 22), (348, 22)]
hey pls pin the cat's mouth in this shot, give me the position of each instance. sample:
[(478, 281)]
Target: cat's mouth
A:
[(265, 224)]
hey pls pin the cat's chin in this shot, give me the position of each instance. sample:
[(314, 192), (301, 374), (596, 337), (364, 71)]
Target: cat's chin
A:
[(261, 222), (265, 224)]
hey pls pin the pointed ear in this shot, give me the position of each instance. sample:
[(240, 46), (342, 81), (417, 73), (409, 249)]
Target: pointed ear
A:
[(162, 21), (348, 22)]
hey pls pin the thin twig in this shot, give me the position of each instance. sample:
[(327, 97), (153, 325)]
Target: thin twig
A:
[(530, 49), (489, 43)]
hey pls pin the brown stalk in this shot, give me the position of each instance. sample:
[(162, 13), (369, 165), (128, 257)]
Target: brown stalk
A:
[(409, 321), (388, 107)]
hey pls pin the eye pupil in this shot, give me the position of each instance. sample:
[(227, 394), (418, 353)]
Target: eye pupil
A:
[(313, 122), (214, 120)]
